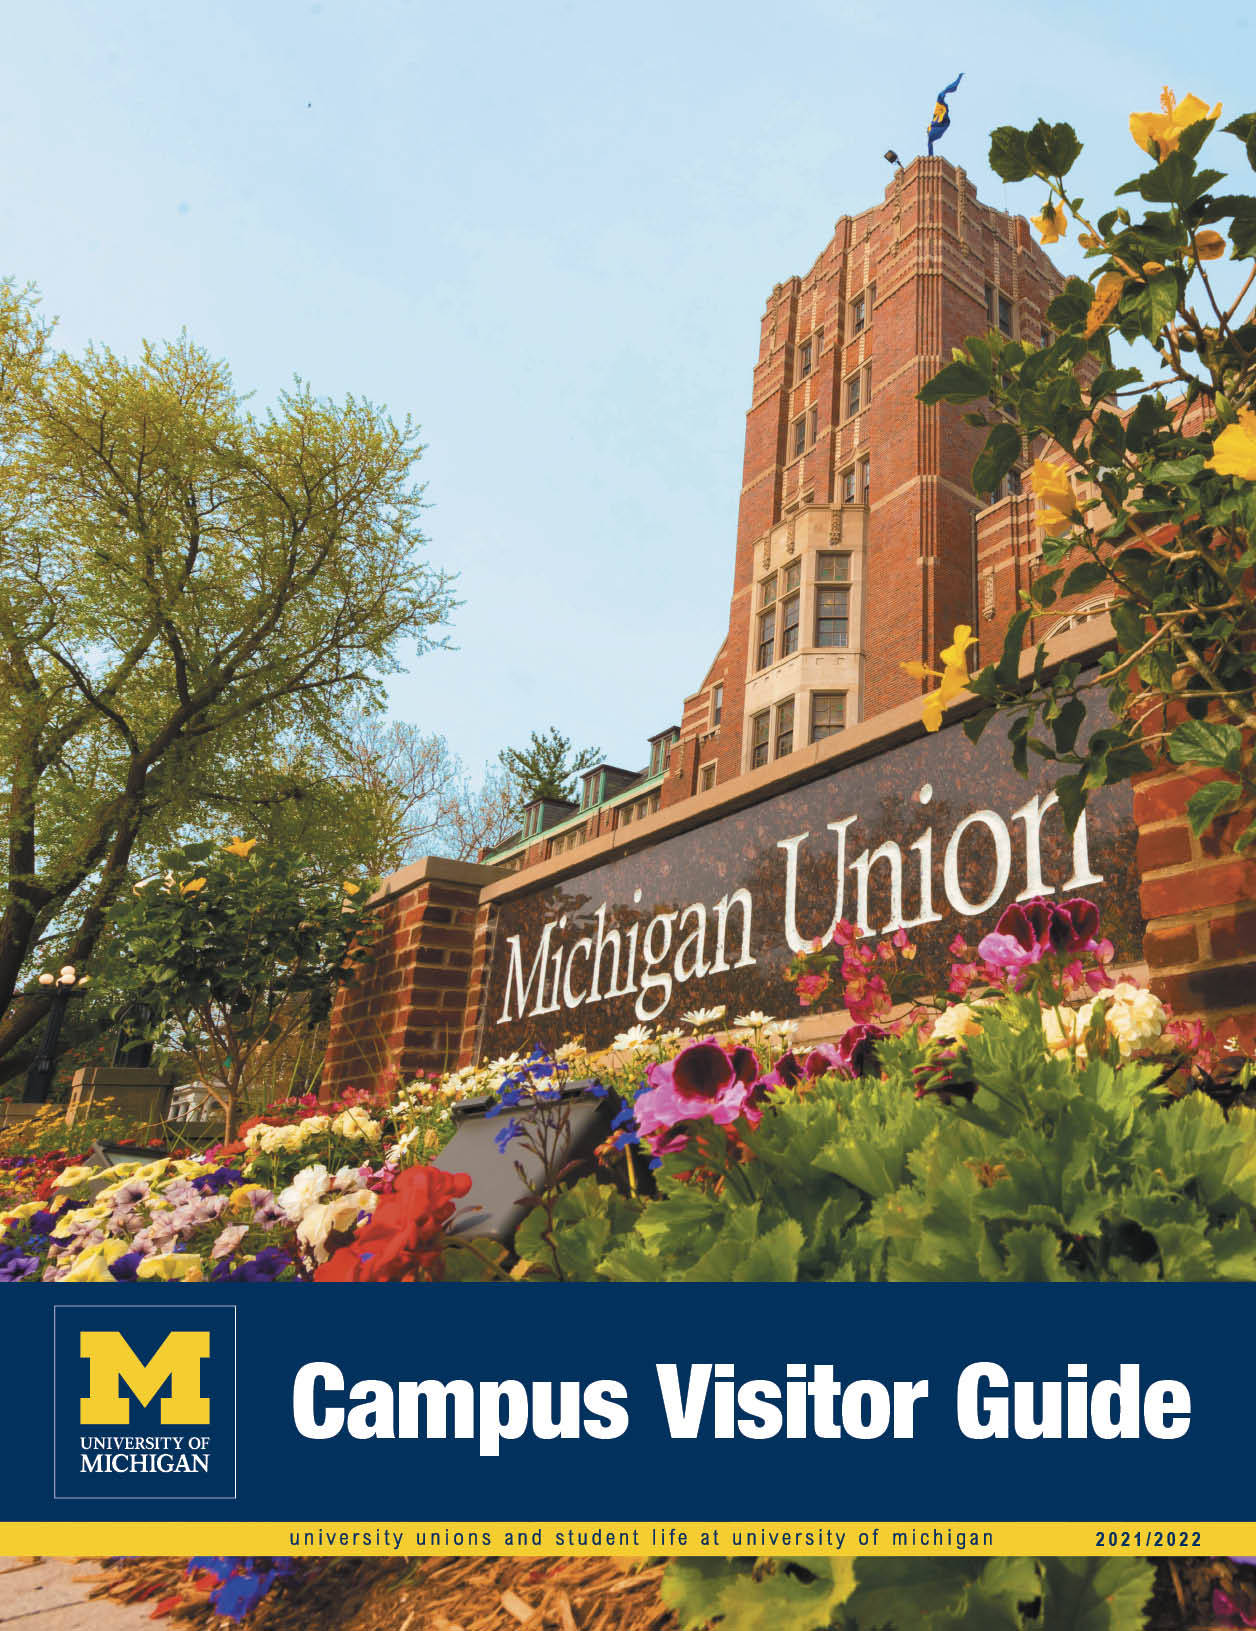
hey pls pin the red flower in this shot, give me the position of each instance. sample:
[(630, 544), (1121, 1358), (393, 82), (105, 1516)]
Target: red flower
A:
[(405, 1237)]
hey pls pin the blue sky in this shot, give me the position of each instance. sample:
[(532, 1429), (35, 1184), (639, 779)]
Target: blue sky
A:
[(547, 232)]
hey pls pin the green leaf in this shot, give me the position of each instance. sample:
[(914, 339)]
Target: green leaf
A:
[(1095, 1593), (745, 1594), (1072, 794), (1009, 155), (1198, 742), (1244, 127), (959, 381), (1067, 723), (1002, 449), (1008, 670), (1052, 148), (1084, 577), (1209, 802)]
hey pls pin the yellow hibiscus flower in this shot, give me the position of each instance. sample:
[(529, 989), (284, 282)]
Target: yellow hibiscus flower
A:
[(194, 886), (1160, 133), (953, 674), (241, 847), (1052, 224), (1209, 246), (1234, 451), (1105, 300), (1055, 492)]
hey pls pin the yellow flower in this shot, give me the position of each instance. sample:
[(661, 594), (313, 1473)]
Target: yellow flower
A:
[(1104, 301), (1159, 133), (194, 886), (1209, 246), (953, 674), (1052, 224), (241, 847), (1234, 451), (74, 1175), (1150, 268), (239, 1205), (171, 1266), (92, 1263), (351, 888), (1052, 486), (1090, 240)]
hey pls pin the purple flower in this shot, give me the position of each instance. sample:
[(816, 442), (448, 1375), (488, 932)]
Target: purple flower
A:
[(268, 1265), (209, 1183), (624, 1127), (507, 1134), (125, 1267), (16, 1264), (1236, 1613)]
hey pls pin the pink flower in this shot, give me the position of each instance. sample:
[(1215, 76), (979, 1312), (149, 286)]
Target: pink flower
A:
[(1029, 931), (703, 1082)]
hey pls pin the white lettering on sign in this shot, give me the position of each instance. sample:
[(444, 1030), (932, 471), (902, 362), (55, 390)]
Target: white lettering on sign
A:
[(676, 946)]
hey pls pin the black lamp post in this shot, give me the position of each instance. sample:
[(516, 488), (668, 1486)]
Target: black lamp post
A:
[(39, 1073)]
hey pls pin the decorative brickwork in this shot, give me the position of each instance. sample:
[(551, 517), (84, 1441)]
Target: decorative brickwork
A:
[(1199, 899), (404, 1014)]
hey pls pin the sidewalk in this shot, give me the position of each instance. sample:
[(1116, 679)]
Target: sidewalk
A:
[(50, 1594)]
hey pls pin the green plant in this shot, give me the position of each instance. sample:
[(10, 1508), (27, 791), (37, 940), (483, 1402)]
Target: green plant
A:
[(1034, 1164), (889, 1594), (1163, 517), (234, 951)]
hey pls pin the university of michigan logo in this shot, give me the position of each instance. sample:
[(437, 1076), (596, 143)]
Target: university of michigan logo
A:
[(144, 1402), (111, 1361)]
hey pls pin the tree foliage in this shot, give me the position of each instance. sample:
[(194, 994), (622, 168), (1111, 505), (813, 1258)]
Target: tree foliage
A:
[(190, 597), (230, 950), (1153, 499), (547, 767)]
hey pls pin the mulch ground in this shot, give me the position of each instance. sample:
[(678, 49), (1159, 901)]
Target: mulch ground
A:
[(545, 1594), (422, 1594)]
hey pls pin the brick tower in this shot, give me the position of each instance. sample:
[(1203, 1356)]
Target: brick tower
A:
[(856, 538)]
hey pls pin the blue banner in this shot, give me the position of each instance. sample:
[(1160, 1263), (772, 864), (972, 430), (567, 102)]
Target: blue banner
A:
[(804, 1403)]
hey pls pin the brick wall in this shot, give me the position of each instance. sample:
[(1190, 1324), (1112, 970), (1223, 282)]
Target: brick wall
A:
[(406, 1010), (1199, 900)]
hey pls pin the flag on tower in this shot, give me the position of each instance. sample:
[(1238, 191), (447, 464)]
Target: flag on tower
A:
[(941, 113)]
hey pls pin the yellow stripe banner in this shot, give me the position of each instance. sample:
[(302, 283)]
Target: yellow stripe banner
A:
[(585, 1538)]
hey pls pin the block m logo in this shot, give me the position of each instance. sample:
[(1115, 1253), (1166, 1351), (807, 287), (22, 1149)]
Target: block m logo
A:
[(111, 1360)]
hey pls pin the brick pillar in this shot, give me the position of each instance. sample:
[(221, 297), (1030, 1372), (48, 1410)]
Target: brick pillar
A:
[(477, 985), (1199, 900), (404, 1012)]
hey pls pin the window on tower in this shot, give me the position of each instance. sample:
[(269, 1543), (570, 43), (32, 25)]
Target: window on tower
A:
[(760, 735), (784, 728), (832, 617), (799, 435), (848, 485), (767, 639), (804, 359), (865, 481), (858, 314), (790, 603), (717, 705), (828, 714), (852, 396)]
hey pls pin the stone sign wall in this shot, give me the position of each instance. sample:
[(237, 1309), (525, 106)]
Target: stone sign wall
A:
[(936, 835)]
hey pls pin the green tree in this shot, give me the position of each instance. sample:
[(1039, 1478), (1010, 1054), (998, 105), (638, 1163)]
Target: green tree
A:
[(232, 950), (1154, 503), (547, 767), (179, 579)]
